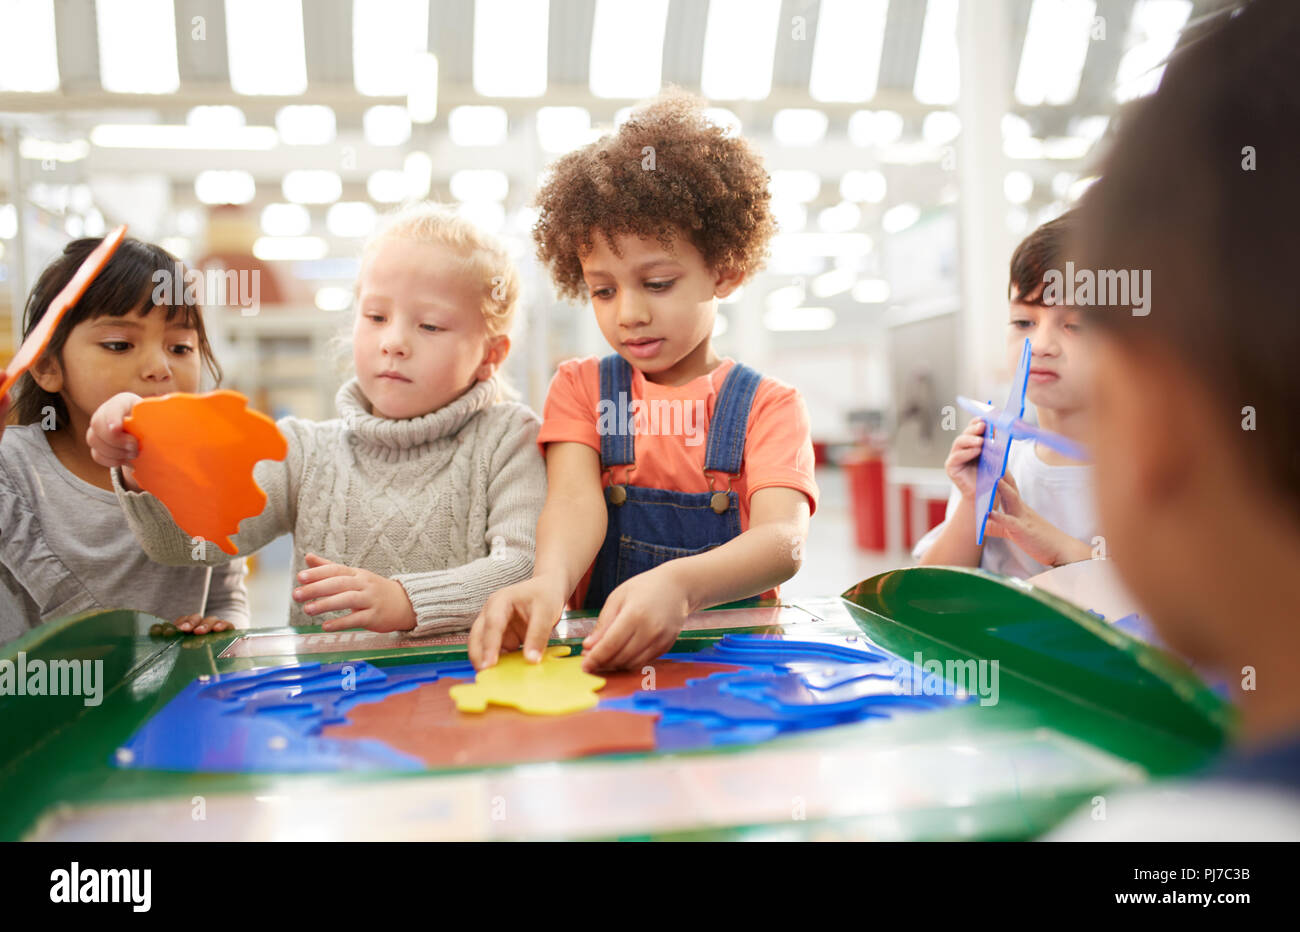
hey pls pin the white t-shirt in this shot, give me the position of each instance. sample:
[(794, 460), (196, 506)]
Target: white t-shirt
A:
[(1061, 494)]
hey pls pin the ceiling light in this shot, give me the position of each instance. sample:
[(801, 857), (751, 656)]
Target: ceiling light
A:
[(627, 48)]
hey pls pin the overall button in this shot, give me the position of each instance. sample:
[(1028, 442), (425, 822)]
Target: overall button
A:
[(616, 494), (720, 502)]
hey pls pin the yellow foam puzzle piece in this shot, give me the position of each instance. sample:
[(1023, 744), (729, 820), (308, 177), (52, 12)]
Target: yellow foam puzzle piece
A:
[(556, 686)]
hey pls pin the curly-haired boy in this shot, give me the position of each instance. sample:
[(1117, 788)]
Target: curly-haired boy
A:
[(678, 479)]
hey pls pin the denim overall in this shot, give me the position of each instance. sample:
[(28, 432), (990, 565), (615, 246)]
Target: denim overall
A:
[(648, 527)]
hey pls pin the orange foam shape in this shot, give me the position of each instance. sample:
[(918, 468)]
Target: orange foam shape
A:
[(197, 454), (69, 295)]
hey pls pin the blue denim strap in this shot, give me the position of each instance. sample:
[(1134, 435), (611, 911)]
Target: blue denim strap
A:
[(726, 450), (617, 446)]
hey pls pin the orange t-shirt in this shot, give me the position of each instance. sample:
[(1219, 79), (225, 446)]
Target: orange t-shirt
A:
[(672, 435)]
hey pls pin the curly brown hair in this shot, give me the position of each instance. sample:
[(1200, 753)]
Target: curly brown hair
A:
[(666, 170)]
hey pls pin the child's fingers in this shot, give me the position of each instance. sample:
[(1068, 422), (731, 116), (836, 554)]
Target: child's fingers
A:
[(540, 625), (608, 612), (660, 645), (998, 525), (318, 571), (496, 615), (350, 620), (474, 644), (331, 585), (107, 444), (1009, 497), (640, 644), (510, 640), (610, 644), (314, 563), (186, 622), (353, 599)]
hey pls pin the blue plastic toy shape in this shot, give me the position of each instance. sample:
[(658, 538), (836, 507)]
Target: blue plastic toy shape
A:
[(1000, 428)]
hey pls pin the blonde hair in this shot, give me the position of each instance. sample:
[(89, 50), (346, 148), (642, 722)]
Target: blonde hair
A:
[(482, 257)]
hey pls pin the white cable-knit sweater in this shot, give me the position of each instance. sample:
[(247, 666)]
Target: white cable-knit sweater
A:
[(446, 504)]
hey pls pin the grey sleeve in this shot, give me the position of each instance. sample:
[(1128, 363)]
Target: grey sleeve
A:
[(46, 583), (166, 543), (447, 599)]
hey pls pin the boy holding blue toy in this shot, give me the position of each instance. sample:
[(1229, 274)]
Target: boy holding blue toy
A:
[(1046, 517)]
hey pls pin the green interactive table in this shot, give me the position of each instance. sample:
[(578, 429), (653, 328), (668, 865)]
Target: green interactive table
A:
[(1080, 709)]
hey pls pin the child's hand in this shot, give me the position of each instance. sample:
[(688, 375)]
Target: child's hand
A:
[(200, 624), (963, 459), (110, 444), (641, 619), (376, 603), (522, 614), (1030, 531)]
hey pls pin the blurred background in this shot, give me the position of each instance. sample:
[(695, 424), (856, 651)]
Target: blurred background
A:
[(911, 144)]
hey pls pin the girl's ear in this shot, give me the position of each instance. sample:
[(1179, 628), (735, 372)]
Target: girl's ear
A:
[(726, 281), (47, 373), (497, 350)]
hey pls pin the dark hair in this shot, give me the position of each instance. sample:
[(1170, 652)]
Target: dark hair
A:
[(701, 182), (126, 283), (1201, 189), (1040, 252)]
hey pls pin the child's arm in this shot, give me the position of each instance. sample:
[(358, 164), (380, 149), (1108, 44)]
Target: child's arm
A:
[(642, 617), (569, 534), (516, 491), (955, 545), (152, 523)]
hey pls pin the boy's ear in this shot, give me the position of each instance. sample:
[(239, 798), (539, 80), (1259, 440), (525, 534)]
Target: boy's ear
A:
[(726, 281), (497, 350), (47, 373)]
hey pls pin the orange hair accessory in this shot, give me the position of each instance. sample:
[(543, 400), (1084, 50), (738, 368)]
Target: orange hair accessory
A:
[(69, 295)]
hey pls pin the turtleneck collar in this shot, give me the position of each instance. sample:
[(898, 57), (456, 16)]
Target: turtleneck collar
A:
[(391, 437)]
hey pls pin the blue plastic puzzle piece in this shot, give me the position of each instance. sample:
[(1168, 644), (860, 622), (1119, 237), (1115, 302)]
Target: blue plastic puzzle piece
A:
[(789, 692), (708, 655), (270, 720), (690, 733), (712, 696), (307, 677), (319, 707), (823, 675), (771, 647)]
